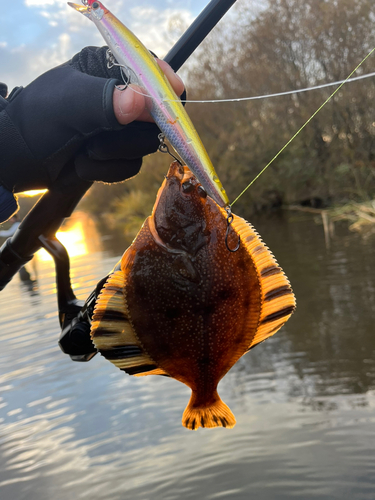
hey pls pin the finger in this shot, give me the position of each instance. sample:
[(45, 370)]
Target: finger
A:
[(176, 82), (174, 79), (128, 104)]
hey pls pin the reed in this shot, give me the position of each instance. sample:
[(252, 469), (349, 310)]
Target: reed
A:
[(360, 215)]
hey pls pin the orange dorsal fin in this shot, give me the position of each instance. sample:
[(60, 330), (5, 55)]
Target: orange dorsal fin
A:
[(214, 414), (113, 334), (277, 299)]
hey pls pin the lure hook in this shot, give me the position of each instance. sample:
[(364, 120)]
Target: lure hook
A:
[(111, 61), (163, 148), (230, 218)]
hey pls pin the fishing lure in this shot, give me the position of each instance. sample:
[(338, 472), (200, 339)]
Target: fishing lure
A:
[(161, 100)]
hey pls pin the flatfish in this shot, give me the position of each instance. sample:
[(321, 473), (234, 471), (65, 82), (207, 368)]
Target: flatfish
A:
[(180, 304)]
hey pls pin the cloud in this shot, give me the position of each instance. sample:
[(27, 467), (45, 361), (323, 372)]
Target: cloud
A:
[(40, 3), (47, 59), (40, 34), (157, 28)]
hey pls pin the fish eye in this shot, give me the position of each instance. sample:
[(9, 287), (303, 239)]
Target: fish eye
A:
[(202, 192), (95, 5), (187, 187)]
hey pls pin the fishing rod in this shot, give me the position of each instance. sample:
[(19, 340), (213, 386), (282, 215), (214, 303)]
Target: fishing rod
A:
[(38, 229), (197, 32)]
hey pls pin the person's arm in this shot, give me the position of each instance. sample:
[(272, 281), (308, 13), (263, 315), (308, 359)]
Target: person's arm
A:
[(74, 111)]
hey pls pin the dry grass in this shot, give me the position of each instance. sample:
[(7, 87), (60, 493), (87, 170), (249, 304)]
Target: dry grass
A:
[(360, 215)]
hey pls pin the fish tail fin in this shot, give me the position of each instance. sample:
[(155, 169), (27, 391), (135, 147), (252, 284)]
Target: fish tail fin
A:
[(214, 414)]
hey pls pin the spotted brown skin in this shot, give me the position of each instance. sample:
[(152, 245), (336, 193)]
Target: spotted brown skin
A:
[(196, 311), (190, 308)]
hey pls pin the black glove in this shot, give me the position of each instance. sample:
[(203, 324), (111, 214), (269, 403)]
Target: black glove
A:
[(68, 113)]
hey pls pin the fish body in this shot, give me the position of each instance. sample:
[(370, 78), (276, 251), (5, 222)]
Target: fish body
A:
[(162, 102), (179, 304)]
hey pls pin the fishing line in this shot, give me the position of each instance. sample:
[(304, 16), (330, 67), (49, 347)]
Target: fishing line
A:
[(340, 83), (289, 92), (265, 96), (303, 126)]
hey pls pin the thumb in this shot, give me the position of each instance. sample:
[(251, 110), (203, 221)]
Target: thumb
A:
[(127, 104)]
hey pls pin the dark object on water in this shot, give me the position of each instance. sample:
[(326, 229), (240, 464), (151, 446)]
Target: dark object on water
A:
[(313, 202), (179, 304)]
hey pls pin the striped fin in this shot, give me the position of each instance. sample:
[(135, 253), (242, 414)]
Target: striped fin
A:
[(277, 299), (112, 332), (215, 414)]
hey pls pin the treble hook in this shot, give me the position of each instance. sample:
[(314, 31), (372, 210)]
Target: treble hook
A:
[(163, 148), (111, 61), (229, 222)]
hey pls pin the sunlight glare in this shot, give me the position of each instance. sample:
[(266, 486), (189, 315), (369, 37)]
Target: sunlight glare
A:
[(33, 192), (73, 240)]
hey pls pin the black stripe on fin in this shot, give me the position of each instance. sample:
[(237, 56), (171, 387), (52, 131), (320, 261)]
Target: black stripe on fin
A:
[(249, 238), (98, 332), (114, 288), (270, 270), (110, 315), (258, 249), (270, 332), (279, 314), (128, 351), (278, 292), (223, 421), (261, 342), (139, 369)]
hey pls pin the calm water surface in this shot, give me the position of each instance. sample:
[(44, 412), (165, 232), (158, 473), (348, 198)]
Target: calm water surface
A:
[(304, 400)]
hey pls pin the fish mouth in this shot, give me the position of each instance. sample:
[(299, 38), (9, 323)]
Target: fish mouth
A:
[(176, 171), (180, 172)]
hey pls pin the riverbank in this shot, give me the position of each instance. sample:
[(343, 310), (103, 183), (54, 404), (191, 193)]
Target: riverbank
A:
[(359, 216)]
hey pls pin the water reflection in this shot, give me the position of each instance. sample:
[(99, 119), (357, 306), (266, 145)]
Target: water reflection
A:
[(78, 235), (331, 336), (304, 400)]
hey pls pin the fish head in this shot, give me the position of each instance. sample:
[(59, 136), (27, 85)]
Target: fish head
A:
[(92, 9), (179, 214)]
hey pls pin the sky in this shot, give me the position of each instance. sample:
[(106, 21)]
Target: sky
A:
[(36, 35)]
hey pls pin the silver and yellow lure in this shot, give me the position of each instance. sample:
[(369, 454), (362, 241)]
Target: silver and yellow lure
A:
[(161, 100)]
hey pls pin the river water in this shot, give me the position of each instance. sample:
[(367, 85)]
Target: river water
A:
[(304, 400)]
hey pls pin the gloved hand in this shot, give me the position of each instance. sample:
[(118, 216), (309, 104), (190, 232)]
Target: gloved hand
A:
[(75, 111)]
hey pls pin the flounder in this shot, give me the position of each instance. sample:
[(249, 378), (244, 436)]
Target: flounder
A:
[(180, 304)]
